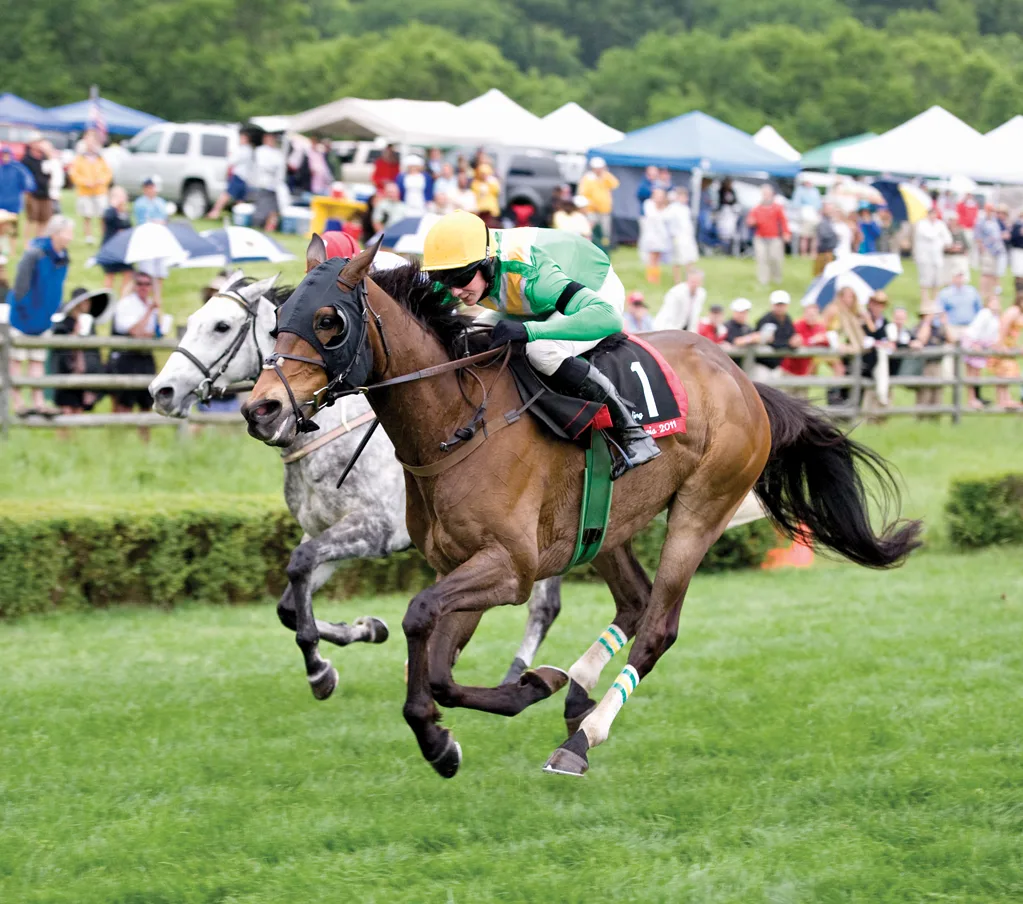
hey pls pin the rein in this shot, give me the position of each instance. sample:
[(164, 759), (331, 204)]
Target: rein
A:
[(206, 390)]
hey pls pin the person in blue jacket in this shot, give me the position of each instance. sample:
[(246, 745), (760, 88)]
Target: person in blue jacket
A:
[(15, 180), (36, 297)]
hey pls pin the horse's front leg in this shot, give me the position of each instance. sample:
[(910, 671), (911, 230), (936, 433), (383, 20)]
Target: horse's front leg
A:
[(356, 536), (490, 578)]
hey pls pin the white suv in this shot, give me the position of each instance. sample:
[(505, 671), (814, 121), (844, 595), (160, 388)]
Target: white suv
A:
[(189, 160)]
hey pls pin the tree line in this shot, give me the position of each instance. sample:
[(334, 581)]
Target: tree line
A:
[(815, 69)]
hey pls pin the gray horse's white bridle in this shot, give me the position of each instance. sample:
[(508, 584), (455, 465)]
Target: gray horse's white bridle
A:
[(206, 390)]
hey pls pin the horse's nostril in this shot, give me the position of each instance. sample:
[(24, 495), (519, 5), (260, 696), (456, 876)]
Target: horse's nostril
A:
[(262, 410), (164, 394)]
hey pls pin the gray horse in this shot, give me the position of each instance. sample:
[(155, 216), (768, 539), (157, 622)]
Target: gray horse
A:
[(225, 342)]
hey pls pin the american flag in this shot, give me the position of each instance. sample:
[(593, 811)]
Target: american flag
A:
[(96, 120)]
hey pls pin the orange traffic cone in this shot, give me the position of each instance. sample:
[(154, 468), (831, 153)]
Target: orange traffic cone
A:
[(798, 555)]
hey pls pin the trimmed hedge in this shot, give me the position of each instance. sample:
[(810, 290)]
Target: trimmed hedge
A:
[(218, 557), (986, 512)]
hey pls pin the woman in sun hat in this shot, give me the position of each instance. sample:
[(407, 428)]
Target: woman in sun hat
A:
[(77, 317)]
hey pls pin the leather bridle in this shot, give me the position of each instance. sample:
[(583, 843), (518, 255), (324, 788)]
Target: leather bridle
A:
[(207, 389)]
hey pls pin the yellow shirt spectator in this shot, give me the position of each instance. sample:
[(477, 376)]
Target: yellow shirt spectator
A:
[(487, 190), (596, 186)]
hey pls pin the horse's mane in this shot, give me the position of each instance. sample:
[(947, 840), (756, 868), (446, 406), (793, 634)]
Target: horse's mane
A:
[(432, 307), (276, 296)]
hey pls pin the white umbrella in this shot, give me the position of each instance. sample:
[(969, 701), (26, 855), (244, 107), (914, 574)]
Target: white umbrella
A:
[(239, 243)]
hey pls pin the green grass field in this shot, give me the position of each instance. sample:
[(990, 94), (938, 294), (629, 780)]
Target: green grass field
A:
[(830, 735), (834, 735)]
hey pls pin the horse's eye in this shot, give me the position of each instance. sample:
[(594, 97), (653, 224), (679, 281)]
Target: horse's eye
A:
[(222, 327), (328, 322)]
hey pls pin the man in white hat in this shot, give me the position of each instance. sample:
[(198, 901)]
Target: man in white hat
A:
[(777, 330), (738, 332), (596, 186)]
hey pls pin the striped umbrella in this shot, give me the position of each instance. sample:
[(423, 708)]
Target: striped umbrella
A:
[(864, 273), (408, 236), (905, 200), (239, 243), (149, 241)]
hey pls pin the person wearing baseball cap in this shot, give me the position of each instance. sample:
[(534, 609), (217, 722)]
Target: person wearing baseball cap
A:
[(596, 186), (777, 330), (738, 332)]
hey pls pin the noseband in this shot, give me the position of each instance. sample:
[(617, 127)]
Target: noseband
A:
[(356, 295), (206, 390)]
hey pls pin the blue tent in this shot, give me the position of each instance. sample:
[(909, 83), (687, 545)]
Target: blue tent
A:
[(695, 140), (18, 112), (120, 120), (691, 141)]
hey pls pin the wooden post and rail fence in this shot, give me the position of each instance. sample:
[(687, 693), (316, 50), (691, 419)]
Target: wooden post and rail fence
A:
[(856, 405)]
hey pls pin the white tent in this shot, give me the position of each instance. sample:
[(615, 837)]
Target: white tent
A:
[(935, 143), (1001, 159), (508, 123), (769, 139), (576, 130), (423, 122)]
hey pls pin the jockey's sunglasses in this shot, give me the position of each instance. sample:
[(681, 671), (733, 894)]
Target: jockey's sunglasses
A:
[(456, 279)]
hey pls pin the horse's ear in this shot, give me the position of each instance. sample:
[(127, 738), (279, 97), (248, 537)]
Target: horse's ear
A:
[(359, 266), (316, 253)]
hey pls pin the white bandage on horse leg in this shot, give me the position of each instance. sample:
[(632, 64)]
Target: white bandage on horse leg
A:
[(586, 670), (598, 723)]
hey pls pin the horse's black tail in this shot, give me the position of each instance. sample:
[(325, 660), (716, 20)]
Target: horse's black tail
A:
[(813, 484)]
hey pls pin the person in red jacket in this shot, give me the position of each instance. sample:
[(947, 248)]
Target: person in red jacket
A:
[(386, 168), (967, 211), (713, 327), (813, 332), (770, 233)]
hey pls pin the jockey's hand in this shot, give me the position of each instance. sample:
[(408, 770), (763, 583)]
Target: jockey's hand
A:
[(506, 331)]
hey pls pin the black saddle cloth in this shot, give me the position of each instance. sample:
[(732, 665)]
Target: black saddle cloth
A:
[(635, 372)]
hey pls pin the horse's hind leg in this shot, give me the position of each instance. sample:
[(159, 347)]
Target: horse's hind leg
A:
[(544, 606), (630, 586), (690, 535), (356, 536)]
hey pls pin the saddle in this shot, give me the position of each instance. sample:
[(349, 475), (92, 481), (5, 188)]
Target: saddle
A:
[(638, 371)]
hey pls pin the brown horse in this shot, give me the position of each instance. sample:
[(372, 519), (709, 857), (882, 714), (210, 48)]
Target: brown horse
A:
[(507, 513)]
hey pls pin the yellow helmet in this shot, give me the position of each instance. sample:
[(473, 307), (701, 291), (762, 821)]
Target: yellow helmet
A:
[(457, 240)]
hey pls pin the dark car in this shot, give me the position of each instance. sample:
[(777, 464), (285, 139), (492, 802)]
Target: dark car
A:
[(532, 180)]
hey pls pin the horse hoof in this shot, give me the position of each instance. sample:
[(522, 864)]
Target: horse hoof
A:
[(450, 758), (378, 631), (547, 677), (570, 757), (323, 684)]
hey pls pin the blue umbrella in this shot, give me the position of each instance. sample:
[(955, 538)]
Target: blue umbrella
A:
[(194, 245), (864, 273), (409, 235), (239, 243)]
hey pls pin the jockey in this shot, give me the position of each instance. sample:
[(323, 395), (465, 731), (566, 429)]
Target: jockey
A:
[(550, 289)]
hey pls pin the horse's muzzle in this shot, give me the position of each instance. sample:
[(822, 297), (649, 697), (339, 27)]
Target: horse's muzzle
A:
[(269, 422)]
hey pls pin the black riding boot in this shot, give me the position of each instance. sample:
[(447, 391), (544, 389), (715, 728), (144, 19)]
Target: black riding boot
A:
[(637, 448)]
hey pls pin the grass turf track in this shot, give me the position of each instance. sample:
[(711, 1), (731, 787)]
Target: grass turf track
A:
[(823, 736)]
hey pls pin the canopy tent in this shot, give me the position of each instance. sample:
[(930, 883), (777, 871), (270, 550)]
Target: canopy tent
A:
[(821, 158), (19, 112), (1001, 152), (119, 119), (422, 122), (507, 123), (769, 138), (577, 130), (694, 143), (934, 143)]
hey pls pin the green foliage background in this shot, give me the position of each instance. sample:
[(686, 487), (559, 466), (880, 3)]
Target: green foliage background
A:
[(816, 69)]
